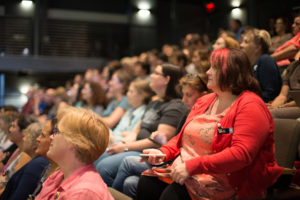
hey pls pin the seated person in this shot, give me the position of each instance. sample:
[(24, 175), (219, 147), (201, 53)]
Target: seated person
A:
[(283, 105), (142, 71), (192, 87), (25, 180), (6, 118), (224, 41), (200, 59), (43, 142), (139, 94), (162, 114), (289, 49), (17, 158), (282, 33), (226, 143), (93, 97), (81, 138), (256, 44), (118, 104)]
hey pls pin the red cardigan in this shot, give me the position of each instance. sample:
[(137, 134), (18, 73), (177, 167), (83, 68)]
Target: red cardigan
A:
[(246, 155)]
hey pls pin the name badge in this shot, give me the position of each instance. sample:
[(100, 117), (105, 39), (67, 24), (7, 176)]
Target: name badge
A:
[(221, 130)]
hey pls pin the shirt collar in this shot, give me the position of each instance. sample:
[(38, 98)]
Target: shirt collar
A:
[(77, 173)]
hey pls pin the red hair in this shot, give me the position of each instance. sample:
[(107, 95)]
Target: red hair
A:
[(219, 58), (234, 71)]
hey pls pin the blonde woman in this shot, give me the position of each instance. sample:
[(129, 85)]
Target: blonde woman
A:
[(81, 138), (226, 42), (139, 95), (256, 44)]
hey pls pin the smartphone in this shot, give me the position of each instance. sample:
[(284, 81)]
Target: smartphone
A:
[(156, 155)]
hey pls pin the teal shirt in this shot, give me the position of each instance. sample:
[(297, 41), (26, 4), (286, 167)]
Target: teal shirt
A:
[(129, 121), (112, 105)]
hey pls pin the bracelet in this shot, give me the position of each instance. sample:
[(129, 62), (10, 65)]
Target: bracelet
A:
[(154, 141), (126, 148)]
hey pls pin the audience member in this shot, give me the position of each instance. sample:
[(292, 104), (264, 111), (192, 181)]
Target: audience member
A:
[(25, 180), (81, 138), (282, 27), (139, 94), (233, 148), (6, 118), (142, 71), (93, 97), (153, 59), (60, 95), (237, 28), (15, 157), (289, 49), (256, 44), (28, 108), (271, 26), (118, 104), (226, 42), (200, 60), (43, 142), (162, 115), (192, 87)]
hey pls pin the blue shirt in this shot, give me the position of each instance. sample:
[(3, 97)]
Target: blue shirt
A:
[(267, 73), (25, 180)]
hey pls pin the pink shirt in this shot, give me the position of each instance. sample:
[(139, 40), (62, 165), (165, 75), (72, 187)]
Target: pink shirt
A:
[(84, 183), (295, 41)]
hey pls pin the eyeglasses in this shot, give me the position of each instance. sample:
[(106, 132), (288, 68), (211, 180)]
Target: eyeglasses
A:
[(55, 131), (115, 80), (157, 73)]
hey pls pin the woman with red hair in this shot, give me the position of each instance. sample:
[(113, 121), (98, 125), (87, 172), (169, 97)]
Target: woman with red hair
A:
[(226, 143)]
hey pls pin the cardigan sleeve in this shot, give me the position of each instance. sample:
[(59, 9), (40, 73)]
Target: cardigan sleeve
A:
[(171, 148), (251, 129)]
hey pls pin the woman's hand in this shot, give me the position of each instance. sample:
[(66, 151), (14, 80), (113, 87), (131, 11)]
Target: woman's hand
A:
[(153, 159), (179, 174), (116, 148)]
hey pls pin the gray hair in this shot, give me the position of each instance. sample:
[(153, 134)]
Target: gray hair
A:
[(33, 131)]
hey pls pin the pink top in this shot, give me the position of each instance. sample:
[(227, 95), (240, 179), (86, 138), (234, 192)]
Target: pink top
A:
[(84, 183), (197, 141)]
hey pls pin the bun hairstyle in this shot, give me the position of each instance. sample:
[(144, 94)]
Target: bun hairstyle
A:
[(142, 86), (262, 38)]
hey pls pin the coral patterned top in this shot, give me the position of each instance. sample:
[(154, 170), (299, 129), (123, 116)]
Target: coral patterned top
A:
[(197, 141)]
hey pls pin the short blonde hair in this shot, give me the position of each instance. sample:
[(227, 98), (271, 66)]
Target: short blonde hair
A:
[(85, 130)]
